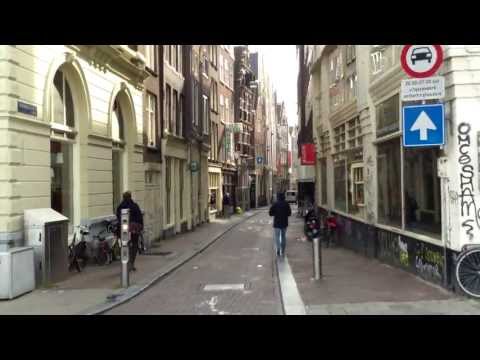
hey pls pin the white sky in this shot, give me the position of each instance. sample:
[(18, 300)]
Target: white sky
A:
[(282, 66)]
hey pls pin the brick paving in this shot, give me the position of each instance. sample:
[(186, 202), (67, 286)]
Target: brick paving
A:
[(242, 256), (354, 284)]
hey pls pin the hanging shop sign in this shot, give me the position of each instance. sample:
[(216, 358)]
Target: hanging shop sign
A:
[(308, 154)]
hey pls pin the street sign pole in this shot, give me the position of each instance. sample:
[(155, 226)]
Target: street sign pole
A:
[(125, 238)]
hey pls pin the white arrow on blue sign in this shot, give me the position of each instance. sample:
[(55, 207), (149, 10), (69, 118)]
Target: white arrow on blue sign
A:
[(423, 125)]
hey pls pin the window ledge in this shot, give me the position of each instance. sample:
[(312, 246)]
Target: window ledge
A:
[(153, 147)]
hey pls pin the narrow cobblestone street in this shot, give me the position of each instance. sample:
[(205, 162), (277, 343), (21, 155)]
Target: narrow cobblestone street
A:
[(236, 275)]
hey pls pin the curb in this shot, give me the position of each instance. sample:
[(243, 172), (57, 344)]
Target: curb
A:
[(122, 296)]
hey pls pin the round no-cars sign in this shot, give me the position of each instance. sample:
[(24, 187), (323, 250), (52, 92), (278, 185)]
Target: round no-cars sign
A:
[(421, 61)]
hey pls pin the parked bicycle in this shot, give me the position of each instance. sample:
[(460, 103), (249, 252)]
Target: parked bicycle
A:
[(78, 251), (467, 271)]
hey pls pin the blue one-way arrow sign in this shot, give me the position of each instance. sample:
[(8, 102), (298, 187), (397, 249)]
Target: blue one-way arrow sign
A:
[(423, 125)]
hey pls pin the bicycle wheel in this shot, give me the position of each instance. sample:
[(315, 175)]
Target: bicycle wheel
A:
[(468, 272)]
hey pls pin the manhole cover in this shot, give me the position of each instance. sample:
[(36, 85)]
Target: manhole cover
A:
[(223, 287)]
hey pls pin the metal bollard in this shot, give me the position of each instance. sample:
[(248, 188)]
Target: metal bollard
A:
[(125, 237), (317, 258)]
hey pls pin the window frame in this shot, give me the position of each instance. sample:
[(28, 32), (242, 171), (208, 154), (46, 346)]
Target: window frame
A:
[(152, 118)]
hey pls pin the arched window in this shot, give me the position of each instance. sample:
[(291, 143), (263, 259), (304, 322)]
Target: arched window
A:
[(62, 101)]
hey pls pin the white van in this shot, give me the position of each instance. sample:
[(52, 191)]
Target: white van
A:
[(291, 196)]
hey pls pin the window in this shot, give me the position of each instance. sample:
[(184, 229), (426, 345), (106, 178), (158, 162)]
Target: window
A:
[(222, 67), (340, 185), (213, 52), (166, 49), (62, 101), (151, 119), (354, 132), (222, 109), (422, 191), (174, 119), (228, 116), (323, 181), (179, 62), (206, 115), (151, 57), (168, 185), (387, 114), (173, 56), (214, 96), (377, 62), (352, 83), (339, 138), (117, 123), (389, 184), (181, 106), (181, 188), (356, 198), (168, 108), (196, 113)]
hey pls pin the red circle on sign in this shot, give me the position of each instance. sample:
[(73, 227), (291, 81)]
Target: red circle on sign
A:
[(416, 74)]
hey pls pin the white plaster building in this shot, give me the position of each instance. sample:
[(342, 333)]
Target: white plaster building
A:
[(71, 120)]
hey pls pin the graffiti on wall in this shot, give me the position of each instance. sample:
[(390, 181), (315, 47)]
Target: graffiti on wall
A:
[(429, 261), (468, 207), (403, 252)]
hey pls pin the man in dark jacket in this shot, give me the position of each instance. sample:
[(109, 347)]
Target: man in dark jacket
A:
[(280, 211), (136, 225)]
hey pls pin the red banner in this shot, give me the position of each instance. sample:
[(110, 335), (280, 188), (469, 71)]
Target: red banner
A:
[(308, 154)]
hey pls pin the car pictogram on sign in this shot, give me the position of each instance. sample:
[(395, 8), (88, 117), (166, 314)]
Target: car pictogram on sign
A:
[(421, 61), (421, 54)]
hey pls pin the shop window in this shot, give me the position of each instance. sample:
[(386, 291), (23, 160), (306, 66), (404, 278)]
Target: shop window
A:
[(356, 195), (389, 184), (387, 114), (422, 191)]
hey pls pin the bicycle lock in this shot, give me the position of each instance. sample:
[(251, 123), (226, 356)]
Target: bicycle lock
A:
[(125, 237)]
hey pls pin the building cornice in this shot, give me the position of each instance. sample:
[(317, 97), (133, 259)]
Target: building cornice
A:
[(118, 59)]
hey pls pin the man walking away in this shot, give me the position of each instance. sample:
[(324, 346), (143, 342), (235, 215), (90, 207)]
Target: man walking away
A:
[(280, 211), (136, 225)]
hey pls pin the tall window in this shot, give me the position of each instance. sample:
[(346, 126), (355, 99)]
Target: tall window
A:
[(61, 151), (389, 183), (62, 101), (196, 113), (181, 175), (167, 54), (181, 106), (151, 57), (214, 96), (174, 119), (151, 119), (340, 185), (222, 108), (323, 181), (206, 115), (168, 186), (168, 108), (117, 154), (222, 67)]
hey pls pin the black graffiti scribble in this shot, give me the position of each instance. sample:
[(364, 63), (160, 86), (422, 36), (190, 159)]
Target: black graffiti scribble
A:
[(468, 207)]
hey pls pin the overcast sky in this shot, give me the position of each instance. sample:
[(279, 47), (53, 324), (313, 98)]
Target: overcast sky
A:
[(281, 63)]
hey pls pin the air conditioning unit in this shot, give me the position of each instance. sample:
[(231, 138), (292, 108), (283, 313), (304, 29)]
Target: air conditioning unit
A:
[(17, 274)]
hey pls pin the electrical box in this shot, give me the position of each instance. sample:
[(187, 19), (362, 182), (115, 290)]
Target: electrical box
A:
[(47, 232), (17, 274)]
